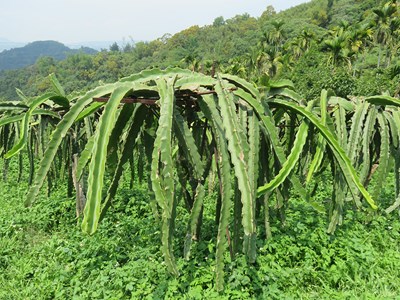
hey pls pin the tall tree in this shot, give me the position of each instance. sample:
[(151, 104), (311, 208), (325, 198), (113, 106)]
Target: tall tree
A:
[(386, 23)]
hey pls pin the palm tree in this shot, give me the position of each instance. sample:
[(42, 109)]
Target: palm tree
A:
[(287, 61), (236, 66), (272, 61), (345, 42), (192, 61), (295, 48), (385, 22), (276, 36), (306, 38), (252, 60), (338, 51), (395, 31), (301, 43), (360, 37)]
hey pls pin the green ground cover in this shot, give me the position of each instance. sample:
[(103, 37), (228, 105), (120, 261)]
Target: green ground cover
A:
[(44, 254)]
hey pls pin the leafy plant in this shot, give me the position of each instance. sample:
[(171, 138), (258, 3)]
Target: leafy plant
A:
[(184, 120)]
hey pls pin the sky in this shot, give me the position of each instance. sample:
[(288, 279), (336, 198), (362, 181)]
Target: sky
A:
[(74, 21)]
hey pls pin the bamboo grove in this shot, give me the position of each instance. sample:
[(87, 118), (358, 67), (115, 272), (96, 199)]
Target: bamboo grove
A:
[(183, 131)]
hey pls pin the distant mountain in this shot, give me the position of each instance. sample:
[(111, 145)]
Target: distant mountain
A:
[(6, 44), (27, 55)]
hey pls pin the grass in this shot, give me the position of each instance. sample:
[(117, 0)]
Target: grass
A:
[(44, 255)]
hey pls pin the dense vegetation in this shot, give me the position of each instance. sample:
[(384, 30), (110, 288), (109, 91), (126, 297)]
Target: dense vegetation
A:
[(348, 45), (45, 256), (232, 158)]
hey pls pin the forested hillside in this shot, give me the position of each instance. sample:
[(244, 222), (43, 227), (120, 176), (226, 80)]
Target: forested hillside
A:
[(357, 41), (24, 56)]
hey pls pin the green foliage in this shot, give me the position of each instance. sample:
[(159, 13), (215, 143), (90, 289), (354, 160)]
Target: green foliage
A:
[(240, 109), (187, 133), (238, 121), (43, 256), (274, 44)]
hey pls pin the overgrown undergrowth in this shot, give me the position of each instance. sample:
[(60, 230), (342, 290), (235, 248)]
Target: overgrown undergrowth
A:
[(44, 254)]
